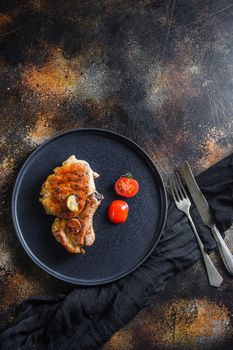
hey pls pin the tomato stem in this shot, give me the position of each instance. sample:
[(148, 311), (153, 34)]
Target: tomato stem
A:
[(128, 175)]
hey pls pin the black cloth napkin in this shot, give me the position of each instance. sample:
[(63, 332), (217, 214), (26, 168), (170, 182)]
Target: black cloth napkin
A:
[(87, 317)]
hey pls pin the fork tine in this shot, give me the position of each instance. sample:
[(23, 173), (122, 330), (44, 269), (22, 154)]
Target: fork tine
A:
[(181, 185), (175, 188), (178, 185)]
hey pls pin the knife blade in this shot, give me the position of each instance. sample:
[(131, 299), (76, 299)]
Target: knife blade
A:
[(197, 196), (206, 215)]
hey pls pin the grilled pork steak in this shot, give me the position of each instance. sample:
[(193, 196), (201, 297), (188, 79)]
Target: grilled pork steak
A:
[(70, 195)]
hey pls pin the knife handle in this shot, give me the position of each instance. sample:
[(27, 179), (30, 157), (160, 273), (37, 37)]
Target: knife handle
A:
[(215, 279), (225, 252)]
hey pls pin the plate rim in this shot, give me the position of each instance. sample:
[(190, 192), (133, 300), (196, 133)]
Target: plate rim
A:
[(19, 234)]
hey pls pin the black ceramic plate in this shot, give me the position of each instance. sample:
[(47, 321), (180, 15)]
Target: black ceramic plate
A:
[(118, 249)]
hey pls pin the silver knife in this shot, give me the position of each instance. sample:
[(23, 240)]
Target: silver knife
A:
[(206, 215)]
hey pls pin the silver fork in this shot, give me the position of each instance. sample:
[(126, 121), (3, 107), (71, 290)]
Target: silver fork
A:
[(183, 203)]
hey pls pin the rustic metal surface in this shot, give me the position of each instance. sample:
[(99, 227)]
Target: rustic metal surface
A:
[(159, 72)]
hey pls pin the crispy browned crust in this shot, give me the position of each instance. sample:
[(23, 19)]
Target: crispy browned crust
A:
[(69, 179)]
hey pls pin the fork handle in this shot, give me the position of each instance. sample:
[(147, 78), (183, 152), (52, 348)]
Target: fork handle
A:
[(214, 276), (225, 252)]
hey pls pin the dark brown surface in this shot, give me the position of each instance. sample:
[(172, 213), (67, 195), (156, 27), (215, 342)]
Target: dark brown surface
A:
[(159, 72)]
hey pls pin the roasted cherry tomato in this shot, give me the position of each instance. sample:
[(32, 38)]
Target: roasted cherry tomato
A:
[(126, 186), (118, 211)]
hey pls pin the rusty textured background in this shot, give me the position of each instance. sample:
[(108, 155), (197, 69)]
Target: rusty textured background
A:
[(159, 72)]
